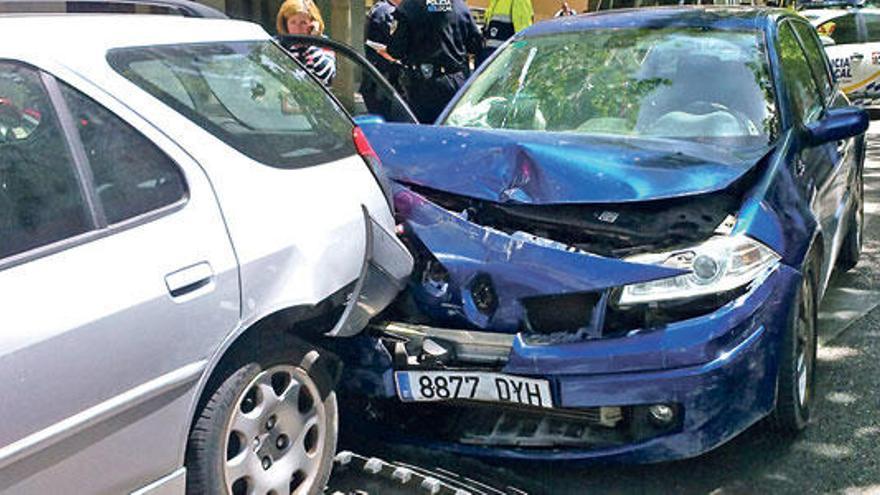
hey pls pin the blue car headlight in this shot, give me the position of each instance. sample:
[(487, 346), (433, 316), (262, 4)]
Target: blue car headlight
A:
[(723, 263)]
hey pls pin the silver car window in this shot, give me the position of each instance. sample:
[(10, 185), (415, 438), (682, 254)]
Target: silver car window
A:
[(131, 175), (250, 94), (41, 199)]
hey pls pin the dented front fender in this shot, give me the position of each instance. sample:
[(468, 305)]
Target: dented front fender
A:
[(775, 210)]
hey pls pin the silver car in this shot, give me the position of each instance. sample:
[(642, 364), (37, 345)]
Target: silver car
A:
[(186, 217)]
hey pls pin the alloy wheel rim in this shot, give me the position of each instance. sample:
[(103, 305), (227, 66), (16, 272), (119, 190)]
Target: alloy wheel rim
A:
[(274, 439), (860, 219), (860, 212), (804, 364), (802, 379)]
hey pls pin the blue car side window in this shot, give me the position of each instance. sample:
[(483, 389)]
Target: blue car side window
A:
[(804, 97), (815, 57)]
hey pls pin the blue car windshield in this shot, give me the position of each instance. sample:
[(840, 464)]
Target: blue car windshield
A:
[(674, 83)]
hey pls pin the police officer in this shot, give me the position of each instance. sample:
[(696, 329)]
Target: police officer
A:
[(432, 38), (377, 32)]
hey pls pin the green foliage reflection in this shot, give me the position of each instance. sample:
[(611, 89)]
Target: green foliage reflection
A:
[(626, 81)]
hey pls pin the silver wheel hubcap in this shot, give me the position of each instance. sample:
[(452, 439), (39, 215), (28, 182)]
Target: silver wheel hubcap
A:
[(275, 436)]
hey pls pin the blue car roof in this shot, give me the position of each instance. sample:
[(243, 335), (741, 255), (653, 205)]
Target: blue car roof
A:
[(724, 18)]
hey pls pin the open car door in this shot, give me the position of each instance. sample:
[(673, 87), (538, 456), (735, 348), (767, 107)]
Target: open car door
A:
[(357, 84)]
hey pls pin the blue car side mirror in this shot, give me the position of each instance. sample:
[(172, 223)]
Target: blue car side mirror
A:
[(837, 124), (368, 118)]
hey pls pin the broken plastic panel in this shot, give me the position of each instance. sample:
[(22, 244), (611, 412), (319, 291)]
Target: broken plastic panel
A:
[(419, 345), (492, 273)]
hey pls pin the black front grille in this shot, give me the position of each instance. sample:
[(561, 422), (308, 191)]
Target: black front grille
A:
[(498, 425), (510, 428), (561, 313)]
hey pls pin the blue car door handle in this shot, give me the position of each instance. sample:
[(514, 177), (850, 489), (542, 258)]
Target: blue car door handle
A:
[(190, 279)]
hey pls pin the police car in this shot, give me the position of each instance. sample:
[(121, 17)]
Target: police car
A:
[(851, 36)]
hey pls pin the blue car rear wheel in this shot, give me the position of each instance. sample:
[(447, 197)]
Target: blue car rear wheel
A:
[(852, 243)]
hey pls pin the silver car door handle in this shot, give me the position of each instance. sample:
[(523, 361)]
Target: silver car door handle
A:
[(857, 57), (189, 279)]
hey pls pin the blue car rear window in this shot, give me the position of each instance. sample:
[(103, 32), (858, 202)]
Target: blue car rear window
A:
[(250, 94)]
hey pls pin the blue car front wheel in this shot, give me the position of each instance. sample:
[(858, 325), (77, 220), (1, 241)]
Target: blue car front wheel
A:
[(797, 367)]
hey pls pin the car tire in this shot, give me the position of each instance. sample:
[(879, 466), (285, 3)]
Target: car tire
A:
[(269, 427), (797, 363), (851, 248)]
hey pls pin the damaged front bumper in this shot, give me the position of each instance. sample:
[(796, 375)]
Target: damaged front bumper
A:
[(715, 374), (633, 389)]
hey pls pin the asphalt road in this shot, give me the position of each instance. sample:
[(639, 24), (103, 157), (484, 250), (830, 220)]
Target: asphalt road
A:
[(839, 452)]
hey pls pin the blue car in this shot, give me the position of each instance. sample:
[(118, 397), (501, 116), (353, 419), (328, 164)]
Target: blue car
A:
[(623, 227)]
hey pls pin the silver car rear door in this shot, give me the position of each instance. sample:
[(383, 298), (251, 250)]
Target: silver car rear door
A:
[(105, 332)]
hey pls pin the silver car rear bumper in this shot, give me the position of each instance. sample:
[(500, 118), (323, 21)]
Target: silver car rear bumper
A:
[(386, 269)]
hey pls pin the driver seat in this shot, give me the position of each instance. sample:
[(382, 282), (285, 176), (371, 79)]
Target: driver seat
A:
[(699, 78)]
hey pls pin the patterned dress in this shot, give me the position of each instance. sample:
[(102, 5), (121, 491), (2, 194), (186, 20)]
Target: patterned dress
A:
[(320, 62)]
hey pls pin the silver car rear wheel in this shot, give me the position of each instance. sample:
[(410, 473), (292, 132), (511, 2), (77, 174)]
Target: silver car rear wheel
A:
[(267, 427), (276, 434)]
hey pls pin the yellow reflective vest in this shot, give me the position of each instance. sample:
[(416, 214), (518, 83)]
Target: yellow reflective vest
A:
[(520, 12)]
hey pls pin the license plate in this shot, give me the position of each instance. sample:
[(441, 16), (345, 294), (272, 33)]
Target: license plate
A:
[(420, 386)]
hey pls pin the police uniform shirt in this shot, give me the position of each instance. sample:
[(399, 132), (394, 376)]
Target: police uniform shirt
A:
[(437, 32), (378, 30)]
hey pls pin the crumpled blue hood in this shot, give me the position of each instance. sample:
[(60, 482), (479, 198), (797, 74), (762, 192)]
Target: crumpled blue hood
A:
[(553, 168)]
